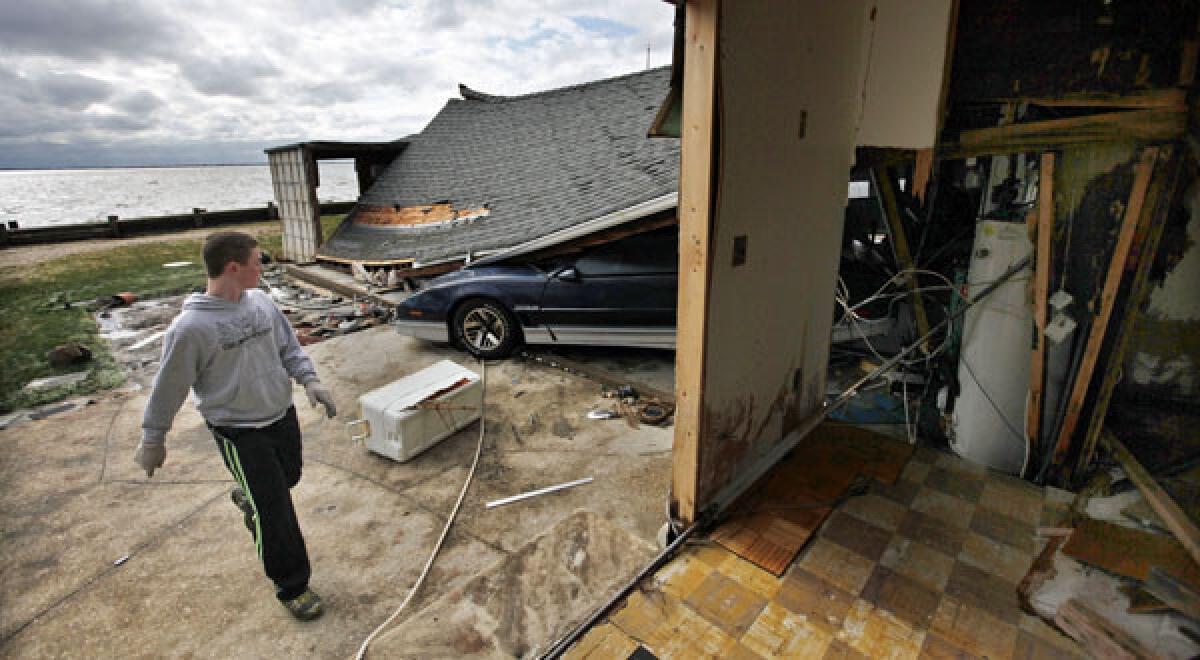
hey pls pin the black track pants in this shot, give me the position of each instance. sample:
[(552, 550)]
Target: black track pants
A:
[(266, 462)]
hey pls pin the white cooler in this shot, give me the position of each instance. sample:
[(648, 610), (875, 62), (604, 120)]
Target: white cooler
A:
[(406, 417)]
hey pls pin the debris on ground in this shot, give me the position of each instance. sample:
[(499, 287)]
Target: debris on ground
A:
[(22, 417), (64, 355), (655, 413), (535, 493), (134, 328), (1120, 608), (55, 381), (148, 340)]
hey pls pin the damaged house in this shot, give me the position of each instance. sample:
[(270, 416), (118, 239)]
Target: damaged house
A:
[(491, 173), (1026, 233)]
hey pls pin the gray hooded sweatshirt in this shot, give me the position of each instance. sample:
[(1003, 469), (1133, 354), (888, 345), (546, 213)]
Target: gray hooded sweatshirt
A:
[(235, 356)]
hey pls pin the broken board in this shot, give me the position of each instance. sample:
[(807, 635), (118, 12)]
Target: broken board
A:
[(1130, 552), (1056, 580)]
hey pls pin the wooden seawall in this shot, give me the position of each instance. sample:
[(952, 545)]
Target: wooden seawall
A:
[(161, 224)]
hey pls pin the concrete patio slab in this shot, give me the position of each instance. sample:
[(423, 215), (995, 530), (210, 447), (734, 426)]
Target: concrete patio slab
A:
[(74, 503)]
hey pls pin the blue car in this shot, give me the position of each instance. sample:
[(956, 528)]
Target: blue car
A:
[(621, 293)]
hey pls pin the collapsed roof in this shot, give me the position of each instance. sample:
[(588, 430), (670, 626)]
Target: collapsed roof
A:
[(491, 172)]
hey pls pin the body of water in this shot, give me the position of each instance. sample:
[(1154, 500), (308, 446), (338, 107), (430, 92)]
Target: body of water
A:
[(37, 198)]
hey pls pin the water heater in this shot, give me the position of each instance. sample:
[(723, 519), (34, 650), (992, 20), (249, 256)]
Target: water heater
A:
[(988, 422)]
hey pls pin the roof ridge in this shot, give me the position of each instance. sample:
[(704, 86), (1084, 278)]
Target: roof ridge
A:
[(471, 94)]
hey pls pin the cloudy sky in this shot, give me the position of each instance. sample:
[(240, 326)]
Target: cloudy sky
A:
[(146, 82)]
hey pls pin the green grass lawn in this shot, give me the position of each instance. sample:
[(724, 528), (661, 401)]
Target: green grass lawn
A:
[(32, 322)]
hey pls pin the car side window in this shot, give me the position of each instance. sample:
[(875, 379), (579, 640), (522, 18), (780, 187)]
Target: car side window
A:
[(655, 252), (604, 260)]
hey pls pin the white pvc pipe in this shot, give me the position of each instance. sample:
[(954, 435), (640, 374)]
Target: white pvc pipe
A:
[(535, 493)]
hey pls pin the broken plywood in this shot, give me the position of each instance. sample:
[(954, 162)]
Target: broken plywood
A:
[(402, 216), (1130, 552), (1055, 579)]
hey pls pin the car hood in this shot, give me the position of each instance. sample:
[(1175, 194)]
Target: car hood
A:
[(484, 272)]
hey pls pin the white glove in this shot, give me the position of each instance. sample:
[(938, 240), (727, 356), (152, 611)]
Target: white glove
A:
[(318, 393), (150, 457)]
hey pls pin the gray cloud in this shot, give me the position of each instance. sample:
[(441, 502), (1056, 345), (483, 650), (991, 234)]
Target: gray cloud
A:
[(121, 123), (228, 76), (139, 103), (45, 104), (105, 153), (109, 81), (17, 124), (444, 14), (84, 29), (330, 93), (335, 8), (72, 91), (408, 76)]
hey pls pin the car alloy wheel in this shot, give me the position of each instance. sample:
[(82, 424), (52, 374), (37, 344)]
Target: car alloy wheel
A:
[(485, 329)]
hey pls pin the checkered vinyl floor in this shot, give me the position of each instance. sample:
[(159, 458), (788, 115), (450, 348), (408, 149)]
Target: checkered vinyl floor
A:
[(927, 567)]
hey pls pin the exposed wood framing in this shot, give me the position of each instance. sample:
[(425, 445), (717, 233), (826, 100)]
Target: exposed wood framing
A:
[(922, 172), (948, 67), (891, 210), (312, 276), (1170, 99), (1176, 519), (695, 223), (1155, 125), (1043, 263), (1112, 282), (1187, 71), (1154, 211), (1189, 53), (424, 271), (347, 262)]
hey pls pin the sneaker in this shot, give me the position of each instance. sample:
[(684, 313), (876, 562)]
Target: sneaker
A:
[(305, 607), (242, 502)]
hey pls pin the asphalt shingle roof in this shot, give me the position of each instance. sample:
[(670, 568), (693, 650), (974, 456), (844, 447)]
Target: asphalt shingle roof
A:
[(540, 163)]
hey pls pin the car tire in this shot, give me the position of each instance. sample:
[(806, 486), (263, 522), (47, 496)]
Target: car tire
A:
[(485, 329)]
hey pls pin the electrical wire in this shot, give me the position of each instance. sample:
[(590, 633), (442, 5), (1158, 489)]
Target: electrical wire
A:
[(842, 295), (362, 650), (909, 430), (1025, 427)]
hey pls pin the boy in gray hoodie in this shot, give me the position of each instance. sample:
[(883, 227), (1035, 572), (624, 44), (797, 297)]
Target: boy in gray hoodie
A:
[(234, 349)]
